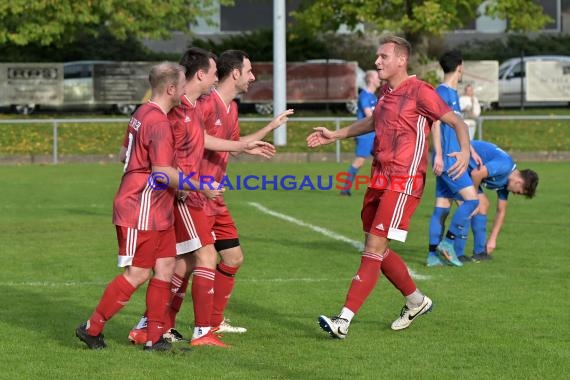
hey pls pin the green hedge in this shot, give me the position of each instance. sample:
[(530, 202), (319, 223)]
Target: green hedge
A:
[(514, 45)]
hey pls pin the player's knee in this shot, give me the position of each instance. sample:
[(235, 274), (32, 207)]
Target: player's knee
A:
[(483, 205), (471, 205), (206, 256), (137, 277), (184, 265), (441, 212), (230, 252), (233, 259)]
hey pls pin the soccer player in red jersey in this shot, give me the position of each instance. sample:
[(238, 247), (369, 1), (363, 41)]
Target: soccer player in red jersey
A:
[(194, 226), (221, 120), (191, 226), (402, 119), (143, 213), (196, 254)]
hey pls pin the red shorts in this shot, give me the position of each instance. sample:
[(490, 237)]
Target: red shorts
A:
[(223, 226), (193, 228), (141, 248), (387, 213)]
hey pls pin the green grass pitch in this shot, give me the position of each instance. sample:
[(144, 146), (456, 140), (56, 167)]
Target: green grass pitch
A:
[(505, 319)]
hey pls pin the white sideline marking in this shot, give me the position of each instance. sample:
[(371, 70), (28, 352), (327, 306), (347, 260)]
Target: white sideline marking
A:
[(323, 231), (326, 232)]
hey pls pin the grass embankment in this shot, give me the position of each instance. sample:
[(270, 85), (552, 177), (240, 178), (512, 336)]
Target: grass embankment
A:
[(105, 138)]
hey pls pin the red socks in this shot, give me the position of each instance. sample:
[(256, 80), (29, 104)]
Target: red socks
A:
[(178, 292), (223, 286), (364, 281), (116, 295), (203, 295), (157, 305), (397, 273)]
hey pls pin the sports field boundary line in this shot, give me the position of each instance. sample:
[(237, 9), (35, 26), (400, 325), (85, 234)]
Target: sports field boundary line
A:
[(325, 232)]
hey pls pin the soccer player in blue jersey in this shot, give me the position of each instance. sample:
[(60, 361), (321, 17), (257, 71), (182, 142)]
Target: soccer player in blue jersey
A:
[(499, 172), (441, 248), (367, 99)]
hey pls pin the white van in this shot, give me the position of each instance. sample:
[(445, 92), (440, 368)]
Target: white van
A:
[(512, 72), (79, 89), (119, 89)]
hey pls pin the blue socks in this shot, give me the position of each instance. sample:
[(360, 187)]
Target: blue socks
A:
[(459, 228), (459, 244), (459, 224), (436, 227), (479, 228), (352, 172)]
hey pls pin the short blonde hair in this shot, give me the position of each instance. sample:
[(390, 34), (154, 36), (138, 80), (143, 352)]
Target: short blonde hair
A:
[(402, 47)]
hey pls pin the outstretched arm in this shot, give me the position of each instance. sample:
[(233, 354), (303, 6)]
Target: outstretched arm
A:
[(223, 145), (273, 124), (497, 225), (323, 136), (259, 148)]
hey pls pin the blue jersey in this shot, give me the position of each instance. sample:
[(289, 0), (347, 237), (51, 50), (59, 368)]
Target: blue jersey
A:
[(365, 100), (499, 166), (449, 142)]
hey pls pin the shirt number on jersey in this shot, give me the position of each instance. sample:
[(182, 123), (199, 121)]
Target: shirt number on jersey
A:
[(129, 151)]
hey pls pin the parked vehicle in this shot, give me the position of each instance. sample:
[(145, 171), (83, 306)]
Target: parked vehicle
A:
[(311, 82), (84, 86), (24, 85), (513, 81)]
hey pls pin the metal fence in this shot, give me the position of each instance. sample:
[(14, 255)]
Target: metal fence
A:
[(326, 121)]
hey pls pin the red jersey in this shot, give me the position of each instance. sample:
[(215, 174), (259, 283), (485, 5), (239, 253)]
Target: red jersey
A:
[(150, 143), (402, 121), (188, 131), (220, 120)]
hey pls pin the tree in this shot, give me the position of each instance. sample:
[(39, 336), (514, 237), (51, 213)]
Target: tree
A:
[(46, 22), (514, 45), (259, 45), (416, 19), (522, 15)]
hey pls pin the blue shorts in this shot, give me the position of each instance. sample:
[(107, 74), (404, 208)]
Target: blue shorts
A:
[(445, 187), (364, 145)]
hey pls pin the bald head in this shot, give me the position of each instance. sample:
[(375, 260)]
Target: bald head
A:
[(370, 77)]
